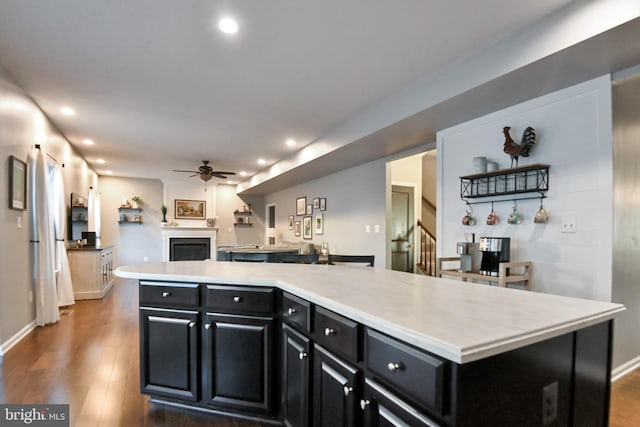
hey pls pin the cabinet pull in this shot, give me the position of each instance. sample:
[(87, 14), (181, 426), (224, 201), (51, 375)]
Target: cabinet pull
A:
[(302, 355), (329, 331), (347, 390), (207, 325), (166, 294), (364, 403), (394, 366), (192, 324), (291, 311), (237, 299)]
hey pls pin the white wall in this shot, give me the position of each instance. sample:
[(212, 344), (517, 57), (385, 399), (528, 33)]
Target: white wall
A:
[(574, 131), (228, 202), (355, 198), (132, 242), (22, 125), (429, 188)]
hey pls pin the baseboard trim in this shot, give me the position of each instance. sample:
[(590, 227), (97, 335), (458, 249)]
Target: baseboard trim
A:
[(8, 344), (625, 368)]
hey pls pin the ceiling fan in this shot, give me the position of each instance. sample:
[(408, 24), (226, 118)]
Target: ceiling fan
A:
[(206, 172)]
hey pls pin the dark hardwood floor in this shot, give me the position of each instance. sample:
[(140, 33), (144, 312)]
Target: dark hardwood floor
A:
[(89, 359)]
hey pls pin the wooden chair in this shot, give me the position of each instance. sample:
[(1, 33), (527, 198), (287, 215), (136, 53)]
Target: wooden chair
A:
[(360, 259), (285, 257), (248, 257)]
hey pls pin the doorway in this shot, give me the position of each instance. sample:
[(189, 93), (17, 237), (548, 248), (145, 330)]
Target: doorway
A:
[(402, 228)]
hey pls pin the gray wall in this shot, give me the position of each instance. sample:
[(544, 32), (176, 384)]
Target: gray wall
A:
[(355, 198), (22, 125), (626, 216)]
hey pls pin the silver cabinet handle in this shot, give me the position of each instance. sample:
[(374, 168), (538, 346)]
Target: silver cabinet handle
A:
[(302, 355), (394, 366), (207, 326), (192, 324), (166, 294), (329, 331), (364, 403), (347, 390), (237, 299), (291, 311)]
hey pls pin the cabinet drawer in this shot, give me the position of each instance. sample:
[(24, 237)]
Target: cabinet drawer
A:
[(240, 299), (169, 294), (296, 312), (336, 333), (415, 374)]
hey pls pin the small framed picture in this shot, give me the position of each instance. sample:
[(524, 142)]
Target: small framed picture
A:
[(190, 209), (309, 209), (301, 205), (307, 227), (318, 224), (17, 184), (316, 203), (290, 222), (297, 227), (323, 204)]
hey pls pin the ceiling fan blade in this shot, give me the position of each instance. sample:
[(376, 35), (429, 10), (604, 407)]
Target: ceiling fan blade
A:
[(219, 175), (223, 173), (177, 170), (195, 174)]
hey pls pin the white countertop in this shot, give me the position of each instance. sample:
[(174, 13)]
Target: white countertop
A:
[(459, 321)]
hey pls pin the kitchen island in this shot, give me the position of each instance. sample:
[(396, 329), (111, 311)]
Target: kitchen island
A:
[(370, 345)]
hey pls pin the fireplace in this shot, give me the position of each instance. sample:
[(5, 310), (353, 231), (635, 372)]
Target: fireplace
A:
[(189, 248), (194, 238)]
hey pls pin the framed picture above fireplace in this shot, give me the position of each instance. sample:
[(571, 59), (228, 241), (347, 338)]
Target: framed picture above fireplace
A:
[(190, 209)]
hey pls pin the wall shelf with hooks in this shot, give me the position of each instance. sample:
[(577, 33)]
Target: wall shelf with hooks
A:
[(519, 182)]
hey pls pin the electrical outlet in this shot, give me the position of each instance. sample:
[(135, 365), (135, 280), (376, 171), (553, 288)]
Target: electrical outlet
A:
[(367, 229), (569, 226), (19, 222), (376, 228), (549, 403)]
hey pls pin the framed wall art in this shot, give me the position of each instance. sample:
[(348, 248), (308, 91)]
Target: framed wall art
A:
[(307, 227), (190, 209), (290, 222), (309, 209), (17, 184), (301, 205), (323, 204), (297, 228), (318, 224), (316, 203)]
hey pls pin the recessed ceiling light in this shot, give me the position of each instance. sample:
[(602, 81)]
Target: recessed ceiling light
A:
[(67, 111), (108, 172), (228, 25), (101, 161), (87, 142), (243, 173), (229, 182), (262, 161), (291, 142)]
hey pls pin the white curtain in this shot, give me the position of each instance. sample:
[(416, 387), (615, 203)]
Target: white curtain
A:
[(42, 241), (58, 203)]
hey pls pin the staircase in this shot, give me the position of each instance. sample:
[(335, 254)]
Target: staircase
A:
[(427, 259)]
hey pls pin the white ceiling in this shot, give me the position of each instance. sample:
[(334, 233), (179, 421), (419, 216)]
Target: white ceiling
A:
[(158, 87)]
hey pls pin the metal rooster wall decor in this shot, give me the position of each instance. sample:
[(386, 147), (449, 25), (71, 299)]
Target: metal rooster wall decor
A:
[(523, 148)]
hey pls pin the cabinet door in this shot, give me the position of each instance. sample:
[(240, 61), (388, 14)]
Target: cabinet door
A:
[(169, 347), (239, 362), (295, 388), (335, 391), (382, 408)]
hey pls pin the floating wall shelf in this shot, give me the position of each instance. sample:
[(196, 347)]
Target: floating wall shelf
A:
[(520, 182)]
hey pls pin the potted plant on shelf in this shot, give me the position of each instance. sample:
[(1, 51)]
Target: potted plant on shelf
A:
[(163, 209), (136, 201)]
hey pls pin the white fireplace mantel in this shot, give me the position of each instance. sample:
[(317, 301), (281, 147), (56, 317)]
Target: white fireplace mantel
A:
[(188, 232)]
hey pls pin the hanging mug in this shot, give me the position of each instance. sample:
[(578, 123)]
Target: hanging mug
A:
[(468, 219), (541, 216), (515, 217), (492, 219)]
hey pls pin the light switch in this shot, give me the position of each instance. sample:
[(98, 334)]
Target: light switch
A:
[(367, 228), (376, 228)]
